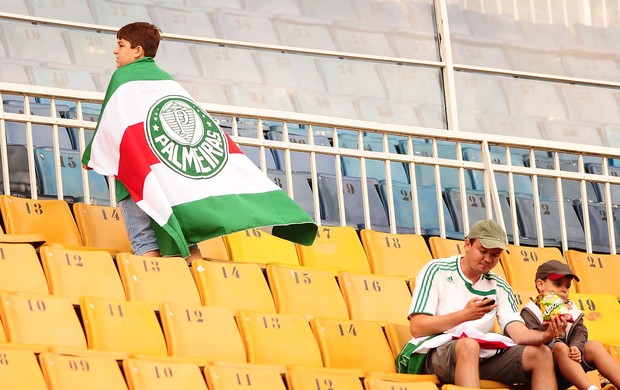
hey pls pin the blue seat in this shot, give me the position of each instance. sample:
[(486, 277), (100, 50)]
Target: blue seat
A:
[(425, 175), (42, 135), (19, 177), (302, 192), (353, 204), (570, 188), (599, 232), (426, 206), (522, 184), (374, 168), (550, 219), (597, 169), (476, 209), (71, 171), (89, 114), (300, 161)]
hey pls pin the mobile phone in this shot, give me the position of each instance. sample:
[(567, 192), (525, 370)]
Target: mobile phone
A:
[(489, 302)]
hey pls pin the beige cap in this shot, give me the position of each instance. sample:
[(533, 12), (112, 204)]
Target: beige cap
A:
[(490, 234)]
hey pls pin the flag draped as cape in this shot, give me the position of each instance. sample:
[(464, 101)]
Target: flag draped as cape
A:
[(181, 168)]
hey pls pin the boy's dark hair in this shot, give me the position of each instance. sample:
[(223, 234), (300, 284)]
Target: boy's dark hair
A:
[(142, 34)]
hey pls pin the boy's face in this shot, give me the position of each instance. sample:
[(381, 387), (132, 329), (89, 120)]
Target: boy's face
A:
[(560, 286), (125, 54)]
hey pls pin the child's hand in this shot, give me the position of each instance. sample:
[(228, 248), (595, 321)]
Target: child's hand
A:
[(574, 353)]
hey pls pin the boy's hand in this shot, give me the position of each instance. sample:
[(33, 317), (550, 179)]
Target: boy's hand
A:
[(574, 353)]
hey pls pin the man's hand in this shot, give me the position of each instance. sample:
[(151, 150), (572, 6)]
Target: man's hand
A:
[(476, 308), (574, 353), (555, 329)]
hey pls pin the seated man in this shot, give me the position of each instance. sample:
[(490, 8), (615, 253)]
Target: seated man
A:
[(452, 313)]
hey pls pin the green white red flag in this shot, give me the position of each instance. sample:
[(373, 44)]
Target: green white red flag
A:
[(181, 168)]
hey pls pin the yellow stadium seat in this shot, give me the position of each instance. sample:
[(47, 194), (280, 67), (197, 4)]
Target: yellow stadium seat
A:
[(522, 261), (278, 339), (101, 227), (73, 273), (302, 290), (258, 246), (237, 286), (157, 279), (336, 248), (20, 269), (373, 383), (231, 376), (446, 247), (42, 321), (213, 249), (372, 297), (395, 254), (19, 369), (455, 387), (50, 217), (398, 335), (80, 372), (597, 273), (524, 295), (124, 327), (312, 378), (162, 375), (203, 332), (601, 316)]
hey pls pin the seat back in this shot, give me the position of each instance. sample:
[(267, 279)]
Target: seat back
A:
[(278, 339), (225, 376), (524, 295), (377, 383), (398, 335), (353, 344), (73, 273), (81, 372), (302, 290), (157, 279), (41, 320), (372, 297), (101, 226), (233, 285), (336, 248), (160, 375), (601, 316), (596, 272), (50, 217), (129, 327), (208, 332), (395, 254), (310, 378), (257, 246), (20, 370), (214, 249), (521, 262), (20, 269)]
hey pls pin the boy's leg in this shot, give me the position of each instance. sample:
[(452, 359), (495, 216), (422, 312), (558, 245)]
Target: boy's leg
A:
[(138, 225), (595, 355), (569, 368)]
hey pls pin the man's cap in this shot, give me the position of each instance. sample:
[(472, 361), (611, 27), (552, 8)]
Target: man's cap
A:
[(490, 234), (554, 270)]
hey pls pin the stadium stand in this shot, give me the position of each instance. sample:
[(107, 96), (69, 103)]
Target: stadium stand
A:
[(20, 270), (22, 370), (101, 227), (153, 374), (93, 372), (225, 375)]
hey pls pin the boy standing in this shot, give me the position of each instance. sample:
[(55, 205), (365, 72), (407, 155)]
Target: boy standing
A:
[(573, 353)]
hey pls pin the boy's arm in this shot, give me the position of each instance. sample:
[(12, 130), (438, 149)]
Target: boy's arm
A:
[(578, 336)]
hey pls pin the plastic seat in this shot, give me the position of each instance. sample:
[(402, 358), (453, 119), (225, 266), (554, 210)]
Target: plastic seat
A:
[(522, 184), (350, 38), (160, 375), (112, 13), (336, 248), (597, 169), (157, 279), (391, 254), (260, 96), (531, 98), (524, 295), (71, 172), (253, 153), (90, 49), (81, 372), (41, 134), (340, 10), (601, 314), (398, 335), (50, 217), (224, 63), (378, 298), (302, 192), (202, 332), (569, 131), (521, 262), (596, 272), (40, 39), (20, 370), (177, 58), (269, 339), (42, 322), (244, 26), (315, 33), (399, 80), (599, 230), (178, 19), (388, 111), (213, 249), (307, 291), (342, 78), (353, 201), (101, 227), (324, 103), (20, 270), (570, 188), (75, 273), (481, 93), (590, 104), (300, 161), (449, 177), (258, 246), (226, 376), (19, 172), (236, 286), (306, 378), (283, 70)]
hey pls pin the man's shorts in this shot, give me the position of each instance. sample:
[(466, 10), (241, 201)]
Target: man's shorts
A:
[(505, 367), (138, 226)]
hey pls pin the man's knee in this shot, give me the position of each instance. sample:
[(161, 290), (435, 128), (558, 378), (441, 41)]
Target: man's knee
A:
[(467, 348), (560, 349), (536, 356)]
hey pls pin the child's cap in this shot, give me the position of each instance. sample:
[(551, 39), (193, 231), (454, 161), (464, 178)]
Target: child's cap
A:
[(490, 234), (554, 269)]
